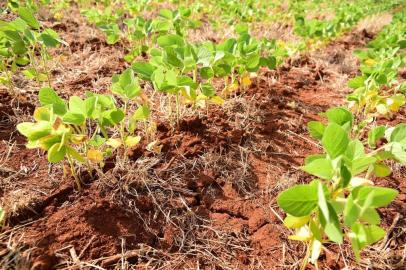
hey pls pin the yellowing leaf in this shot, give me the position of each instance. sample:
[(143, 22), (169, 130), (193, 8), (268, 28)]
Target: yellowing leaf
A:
[(382, 109), (58, 16), (78, 138), (395, 102), (217, 100), (246, 81), (302, 234), (359, 181), (42, 114), (154, 147), (295, 222), (370, 62), (115, 143), (95, 156), (201, 103), (230, 88), (132, 141)]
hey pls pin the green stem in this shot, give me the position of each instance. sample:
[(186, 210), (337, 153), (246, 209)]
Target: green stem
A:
[(33, 64), (44, 63), (88, 165), (122, 131), (104, 132), (9, 78), (73, 172), (195, 74)]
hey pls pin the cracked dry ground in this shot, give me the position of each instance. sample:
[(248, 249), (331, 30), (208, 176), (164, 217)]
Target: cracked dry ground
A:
[(208, 200)]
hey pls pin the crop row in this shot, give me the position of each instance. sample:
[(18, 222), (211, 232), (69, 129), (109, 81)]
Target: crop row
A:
[(341, 201)]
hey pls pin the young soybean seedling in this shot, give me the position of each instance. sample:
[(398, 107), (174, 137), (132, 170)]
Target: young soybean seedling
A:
[(20, 41), (62, 131), (126, 86), (342, 200)]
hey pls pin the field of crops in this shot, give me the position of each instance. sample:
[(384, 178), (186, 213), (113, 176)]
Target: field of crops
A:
[(207, 134)]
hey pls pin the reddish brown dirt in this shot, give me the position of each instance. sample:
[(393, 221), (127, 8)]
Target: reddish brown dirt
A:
[(108, 218)]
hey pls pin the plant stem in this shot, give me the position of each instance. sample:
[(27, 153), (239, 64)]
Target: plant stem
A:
[(9, 78), (146, 130), (306, 258), (122, 131), (195, 74), (44, 63), (177, 109), (33, 64), (72, 169)]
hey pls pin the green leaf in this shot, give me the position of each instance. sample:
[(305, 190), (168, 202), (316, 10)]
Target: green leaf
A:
[(48, 96), (74, 154), (399, 152), (356, 82), (208, 90), (316, 230), (355, 149), (375, 134), (399, 134), (371, 216), (97, 141), (90, 104), (364, 235), (170, 40), (339, 116), (299, 200), (359, 165), (142, 113), (143, 69), (206, 73), (166, 13), (316, 129), (26, 14), (35, 131), (381, 79), (51, 39), (322, 202), (381, 170), (112, 117), (74, 118), (77, 105), (126, 85), (269, 62), (331, 225), (56, 153), (253, 62), (320, 167), (345, 176), (381, 196), (351, 211), (335, 140)]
